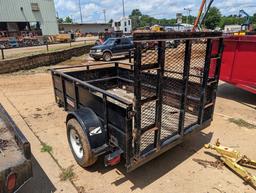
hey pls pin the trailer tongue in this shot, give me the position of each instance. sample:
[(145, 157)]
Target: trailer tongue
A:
[(138, 111)]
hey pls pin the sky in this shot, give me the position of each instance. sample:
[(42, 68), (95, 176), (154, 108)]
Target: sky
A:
[(92, 10)]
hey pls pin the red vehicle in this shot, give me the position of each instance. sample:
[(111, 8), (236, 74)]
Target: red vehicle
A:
[(239, 62)]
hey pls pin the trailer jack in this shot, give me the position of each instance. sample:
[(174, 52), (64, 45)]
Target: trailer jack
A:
[(236, 162), (113, 158)]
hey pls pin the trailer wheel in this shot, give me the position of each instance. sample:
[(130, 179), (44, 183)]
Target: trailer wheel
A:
[(79, 144)]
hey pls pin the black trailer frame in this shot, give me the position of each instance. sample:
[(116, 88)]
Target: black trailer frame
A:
[(21, 168), (174, 93)]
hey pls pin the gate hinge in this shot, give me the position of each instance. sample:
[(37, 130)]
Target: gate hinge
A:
[(131, 114)]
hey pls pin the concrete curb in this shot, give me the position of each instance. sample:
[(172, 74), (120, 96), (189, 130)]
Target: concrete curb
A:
[(49, 166)]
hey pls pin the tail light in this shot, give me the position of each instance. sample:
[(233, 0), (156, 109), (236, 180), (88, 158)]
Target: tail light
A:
[(113, 158), (11, 182), (113, 161)]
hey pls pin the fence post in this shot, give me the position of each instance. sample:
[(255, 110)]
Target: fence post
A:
[(130, 56), (47, 47), (2, 51)]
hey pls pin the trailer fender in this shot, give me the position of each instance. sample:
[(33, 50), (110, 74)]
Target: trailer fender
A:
[(91, 125)]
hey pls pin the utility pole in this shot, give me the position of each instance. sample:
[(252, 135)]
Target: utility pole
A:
[(123, 9), (188, 14), (81, 17), (105, 18), (71, 16)]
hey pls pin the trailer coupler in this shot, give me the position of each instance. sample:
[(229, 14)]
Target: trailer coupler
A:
[(236, 162), (113, 158)]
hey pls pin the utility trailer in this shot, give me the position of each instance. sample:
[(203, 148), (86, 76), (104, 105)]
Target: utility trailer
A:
[(138, 111), (15, 155)]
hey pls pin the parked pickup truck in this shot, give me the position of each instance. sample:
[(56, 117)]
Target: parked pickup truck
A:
[(112, 47), (15, 155)]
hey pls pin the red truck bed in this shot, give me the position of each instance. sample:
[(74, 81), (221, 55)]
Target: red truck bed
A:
[(239, 62)]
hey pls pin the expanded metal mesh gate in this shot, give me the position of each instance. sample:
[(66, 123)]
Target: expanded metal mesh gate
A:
[(171, 86)]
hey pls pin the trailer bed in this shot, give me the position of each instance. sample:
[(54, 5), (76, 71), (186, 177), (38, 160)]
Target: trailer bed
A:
[(171, 115)]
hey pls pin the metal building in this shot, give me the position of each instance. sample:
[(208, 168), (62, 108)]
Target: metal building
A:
[(27, 17), (85, 28)]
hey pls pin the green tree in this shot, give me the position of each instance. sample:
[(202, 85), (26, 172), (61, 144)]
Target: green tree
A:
[(60, 20), (254, 21), (230, 20), (136, 17), (213, 18), (254, 18), (111, 21), (136, 12), (166, 22), (141, 20), (68, 20), (191, 19), (147, 20)]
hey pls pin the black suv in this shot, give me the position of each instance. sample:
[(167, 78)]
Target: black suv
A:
[(112, 47)]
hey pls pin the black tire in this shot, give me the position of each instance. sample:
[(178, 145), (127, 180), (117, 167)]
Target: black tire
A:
[(96, 59), (88, 158), (107, 56)]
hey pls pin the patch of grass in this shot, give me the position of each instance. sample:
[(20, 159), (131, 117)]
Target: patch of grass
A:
[(242, 123), (46, 148), (67, 174)]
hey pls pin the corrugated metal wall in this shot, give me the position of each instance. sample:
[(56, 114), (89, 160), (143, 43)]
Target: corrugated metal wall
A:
[(85, 28), (20, 11)]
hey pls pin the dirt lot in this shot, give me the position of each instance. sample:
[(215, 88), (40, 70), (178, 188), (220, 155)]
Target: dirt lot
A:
[(187, 168)]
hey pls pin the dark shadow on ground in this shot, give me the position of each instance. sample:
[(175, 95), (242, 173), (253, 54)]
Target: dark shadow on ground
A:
[(231, 92), (153, 170), (40, 183), (118, 58), (113, 59)]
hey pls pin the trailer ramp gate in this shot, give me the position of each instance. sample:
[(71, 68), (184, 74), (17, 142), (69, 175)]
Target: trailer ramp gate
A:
[(174, 92)]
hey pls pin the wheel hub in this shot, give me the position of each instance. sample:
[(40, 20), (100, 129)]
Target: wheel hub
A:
[(76, 143)]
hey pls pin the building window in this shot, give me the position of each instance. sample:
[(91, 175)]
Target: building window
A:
[(129, 22), (3, 26), (23, 26), (125, 24), (125, 29), (117, 24), (34, 25), (35, 7)]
